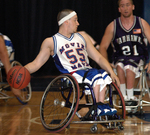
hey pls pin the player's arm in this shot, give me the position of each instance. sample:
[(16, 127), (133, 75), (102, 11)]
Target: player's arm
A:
[(44, 54), (99, 59), (4, 55), (96, 45), (106, 40), (146, 28), (92, 40)]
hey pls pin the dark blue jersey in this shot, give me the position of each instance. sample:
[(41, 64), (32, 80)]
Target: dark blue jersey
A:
[(129, 44)]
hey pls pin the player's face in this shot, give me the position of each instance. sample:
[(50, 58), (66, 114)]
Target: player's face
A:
[(73, 24), (126, 8)]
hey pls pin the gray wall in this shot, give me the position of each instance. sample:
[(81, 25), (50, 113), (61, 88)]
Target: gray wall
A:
[(146, 11), (146, 16)]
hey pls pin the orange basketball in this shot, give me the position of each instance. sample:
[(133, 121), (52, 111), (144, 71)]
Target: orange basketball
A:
[(18, 77)]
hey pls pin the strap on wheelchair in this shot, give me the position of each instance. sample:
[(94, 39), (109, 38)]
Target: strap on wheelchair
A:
[(100, 103), (86, 117), (93, 107), (85, 74)]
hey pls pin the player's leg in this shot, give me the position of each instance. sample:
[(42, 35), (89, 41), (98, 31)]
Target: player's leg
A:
[(130, 79), (103, 109), (100, 96), (121, 76)]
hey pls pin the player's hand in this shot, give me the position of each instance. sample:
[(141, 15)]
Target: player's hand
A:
[(147, 67), (16, 92), (112, 65), (115, 79)]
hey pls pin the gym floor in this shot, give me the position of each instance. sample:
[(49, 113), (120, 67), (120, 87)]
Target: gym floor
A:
[(17, 119)]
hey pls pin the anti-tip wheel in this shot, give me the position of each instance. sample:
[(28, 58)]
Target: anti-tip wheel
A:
[(93, 129)]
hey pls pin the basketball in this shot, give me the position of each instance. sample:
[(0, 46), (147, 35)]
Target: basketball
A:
[(18, 77)]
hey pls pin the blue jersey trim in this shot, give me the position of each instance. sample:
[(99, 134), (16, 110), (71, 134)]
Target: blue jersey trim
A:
[(59, 65), (82, 38), (55, 46)]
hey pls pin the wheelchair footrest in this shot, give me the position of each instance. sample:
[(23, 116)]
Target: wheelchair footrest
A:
[(105, 121), (113, 125)]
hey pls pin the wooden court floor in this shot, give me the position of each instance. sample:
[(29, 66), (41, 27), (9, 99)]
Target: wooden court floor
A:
[(17, 119)]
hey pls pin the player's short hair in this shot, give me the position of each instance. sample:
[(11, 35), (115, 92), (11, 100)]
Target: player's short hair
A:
[(63, 13), (120, 1)]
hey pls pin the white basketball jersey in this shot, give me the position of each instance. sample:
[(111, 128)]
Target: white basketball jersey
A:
[(70, 53), (9, 47)]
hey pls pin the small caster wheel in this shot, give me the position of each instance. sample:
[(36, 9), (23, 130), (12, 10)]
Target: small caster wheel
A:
[(121, 127), (67, 129), (5, 100), (93, 129)]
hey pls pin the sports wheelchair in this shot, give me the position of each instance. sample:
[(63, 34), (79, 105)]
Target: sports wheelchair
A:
[(141, 90), (4, 86), (64, 102)]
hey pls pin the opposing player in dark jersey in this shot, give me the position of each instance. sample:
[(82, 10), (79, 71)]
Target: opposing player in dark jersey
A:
[(70, 51), (128, 36)]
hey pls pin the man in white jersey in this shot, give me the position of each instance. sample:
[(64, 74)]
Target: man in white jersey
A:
[(70, 51)]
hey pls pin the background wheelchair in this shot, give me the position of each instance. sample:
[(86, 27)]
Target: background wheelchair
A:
[(141, 91), (4, 86), (64, 102)]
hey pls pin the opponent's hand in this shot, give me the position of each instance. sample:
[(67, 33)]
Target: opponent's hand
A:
[(147, 67)]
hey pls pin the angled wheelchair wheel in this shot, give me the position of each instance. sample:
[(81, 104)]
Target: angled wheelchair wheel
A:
[(26, 93), (115, 100), (59, 103)]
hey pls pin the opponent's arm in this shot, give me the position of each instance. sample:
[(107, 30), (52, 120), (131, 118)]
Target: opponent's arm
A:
[(146, 28), (106, 40)]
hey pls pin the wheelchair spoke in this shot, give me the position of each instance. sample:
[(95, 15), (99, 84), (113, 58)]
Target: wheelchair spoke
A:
[(58, 103)]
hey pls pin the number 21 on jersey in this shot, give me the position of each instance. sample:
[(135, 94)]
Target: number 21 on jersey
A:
[(127, 50)]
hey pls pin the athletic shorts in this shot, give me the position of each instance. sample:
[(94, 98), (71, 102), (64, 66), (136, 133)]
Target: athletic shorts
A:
[(133, 65), (94, 77)]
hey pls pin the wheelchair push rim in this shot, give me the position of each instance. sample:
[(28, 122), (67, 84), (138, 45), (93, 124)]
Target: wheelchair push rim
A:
[(59, 103)]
